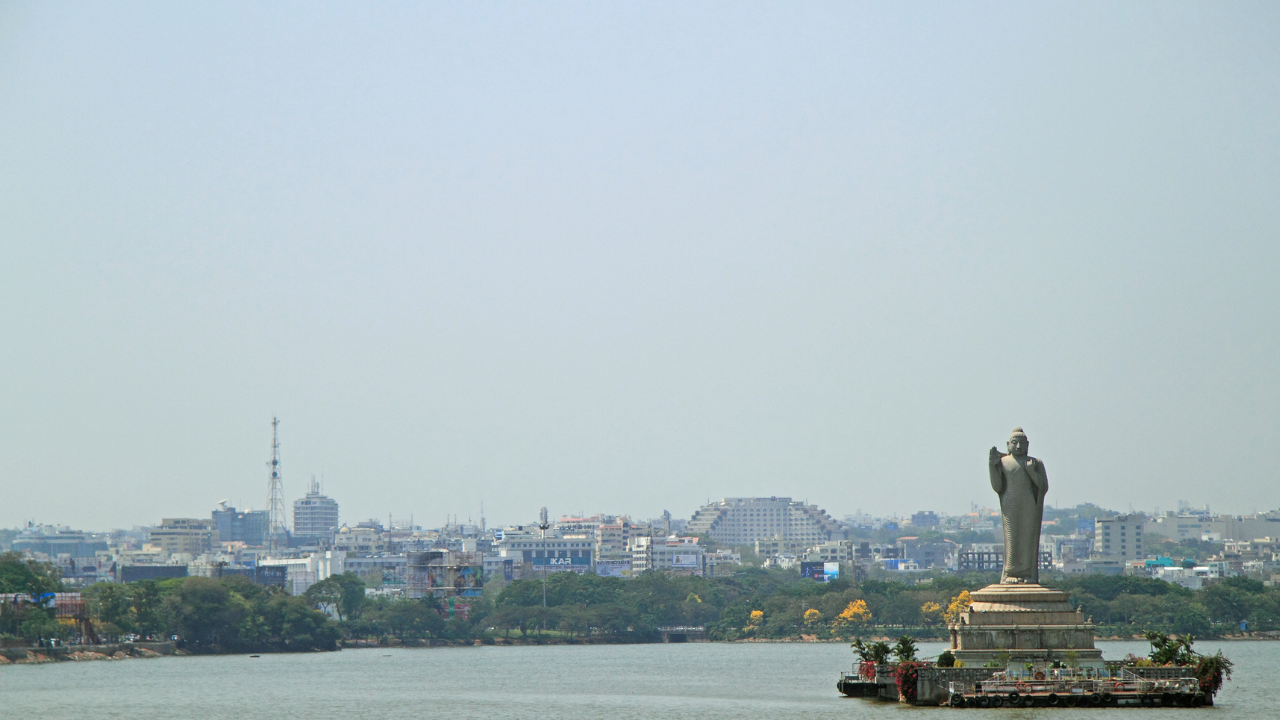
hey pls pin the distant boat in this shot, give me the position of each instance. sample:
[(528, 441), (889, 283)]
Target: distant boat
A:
[(255, 656)]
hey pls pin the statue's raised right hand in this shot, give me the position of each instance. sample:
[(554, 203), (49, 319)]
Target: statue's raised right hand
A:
[(993, 457)]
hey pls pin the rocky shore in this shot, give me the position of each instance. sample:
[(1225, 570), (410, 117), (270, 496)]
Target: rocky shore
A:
[(84, 653)]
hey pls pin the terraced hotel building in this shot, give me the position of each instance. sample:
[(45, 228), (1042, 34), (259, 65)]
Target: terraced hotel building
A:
[(741, 521)]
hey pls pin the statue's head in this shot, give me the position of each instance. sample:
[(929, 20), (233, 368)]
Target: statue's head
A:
[(1018, 443)]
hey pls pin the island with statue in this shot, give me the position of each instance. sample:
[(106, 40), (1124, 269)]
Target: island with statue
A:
[(1022, 644)]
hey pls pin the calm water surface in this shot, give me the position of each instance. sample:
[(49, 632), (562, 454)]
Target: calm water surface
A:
[(620, 682)]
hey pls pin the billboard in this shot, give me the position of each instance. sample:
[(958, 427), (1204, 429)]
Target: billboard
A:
[(508, 570), (613, 568), (133, 573), (684, 561), (820, 571)]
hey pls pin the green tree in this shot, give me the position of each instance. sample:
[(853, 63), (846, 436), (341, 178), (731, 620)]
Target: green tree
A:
[(905, 649), (411, 620), (1166, 650), (115, 605), (203, 613), (303, 628), (39, 625), (880, 651), (145, 595), (1192, 619), (19, 574), (353, 596), (325, 596), (341, 595), (1228, 603), (877, 652)]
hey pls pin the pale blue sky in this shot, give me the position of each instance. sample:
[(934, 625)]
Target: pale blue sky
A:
[(627, 257)]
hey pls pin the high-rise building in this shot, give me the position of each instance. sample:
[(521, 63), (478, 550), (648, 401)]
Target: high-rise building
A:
[(924, 518), (741, 521), (1118, 538), (250, 527), (315, 516), (613, 539)]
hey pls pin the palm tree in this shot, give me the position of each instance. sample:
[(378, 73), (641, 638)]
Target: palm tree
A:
[(905, 649)]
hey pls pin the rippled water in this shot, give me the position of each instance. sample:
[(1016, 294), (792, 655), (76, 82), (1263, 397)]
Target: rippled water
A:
[(703, 680)]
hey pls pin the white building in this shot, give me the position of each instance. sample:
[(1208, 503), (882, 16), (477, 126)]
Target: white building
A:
[(741, 521), (316, 515), (839, 551), (1202, 526), (786, 561), (532, 555), (580, 525), (359, 540), (381, 569), (722, 562), (679, 555), (613, 539), (1192, 578), (304, 572)]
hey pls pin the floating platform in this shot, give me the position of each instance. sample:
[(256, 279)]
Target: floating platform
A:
[(1179, 688), (1115, 686), (852, 686)]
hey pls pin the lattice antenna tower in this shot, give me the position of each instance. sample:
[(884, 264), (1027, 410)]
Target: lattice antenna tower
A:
[(275, 506)]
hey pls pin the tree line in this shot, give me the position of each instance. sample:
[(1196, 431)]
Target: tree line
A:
[(231, 614), (778, 604)]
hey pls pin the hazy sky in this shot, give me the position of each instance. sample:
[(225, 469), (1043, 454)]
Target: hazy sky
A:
[(612, 257)]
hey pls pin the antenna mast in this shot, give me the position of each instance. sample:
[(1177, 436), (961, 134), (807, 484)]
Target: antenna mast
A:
[(275, 506), (543, 524)]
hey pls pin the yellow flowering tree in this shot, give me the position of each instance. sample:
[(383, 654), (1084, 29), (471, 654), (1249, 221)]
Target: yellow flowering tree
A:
[(757, 617), (854, 615), (812, 616), (931, 613), (959, 604)]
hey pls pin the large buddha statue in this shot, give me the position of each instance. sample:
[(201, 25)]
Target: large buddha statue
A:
[(1021, 483)]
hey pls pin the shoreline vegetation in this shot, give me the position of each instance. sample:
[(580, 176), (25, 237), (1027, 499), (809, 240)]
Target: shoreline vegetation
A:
[(231, 615)]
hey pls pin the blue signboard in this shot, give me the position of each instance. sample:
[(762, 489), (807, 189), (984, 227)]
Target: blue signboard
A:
[(562, 561)]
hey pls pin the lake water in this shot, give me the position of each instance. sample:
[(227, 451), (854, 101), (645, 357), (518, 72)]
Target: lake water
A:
[(702, 680)]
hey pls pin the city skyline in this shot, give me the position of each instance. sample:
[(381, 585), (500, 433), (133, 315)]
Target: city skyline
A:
[(461, 518)]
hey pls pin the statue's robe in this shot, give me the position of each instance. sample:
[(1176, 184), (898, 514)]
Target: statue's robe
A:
[(1021, 484)]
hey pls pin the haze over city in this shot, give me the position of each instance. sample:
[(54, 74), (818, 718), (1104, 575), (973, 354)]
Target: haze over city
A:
[(623, 259)]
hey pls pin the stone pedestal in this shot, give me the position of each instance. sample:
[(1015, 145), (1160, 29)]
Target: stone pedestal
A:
[(1027, 622)]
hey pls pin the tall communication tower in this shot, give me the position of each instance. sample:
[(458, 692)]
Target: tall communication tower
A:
[(275, 506)]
